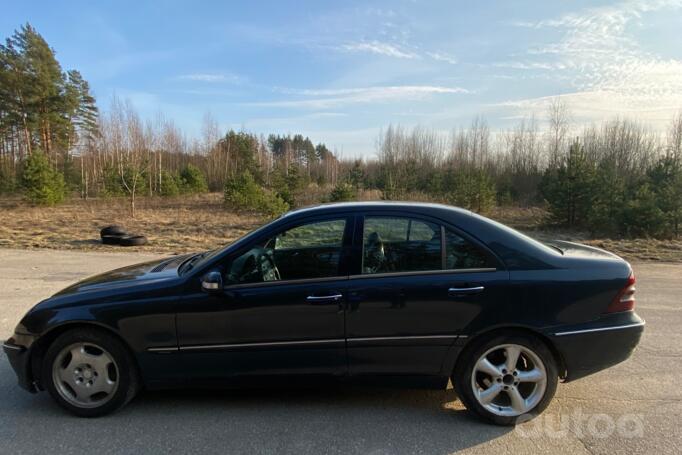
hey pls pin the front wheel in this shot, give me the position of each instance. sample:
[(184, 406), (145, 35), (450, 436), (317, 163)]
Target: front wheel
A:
[(89, 372), (506, 379)]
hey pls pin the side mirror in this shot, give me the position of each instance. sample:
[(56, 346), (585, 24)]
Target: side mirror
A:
[(212, 282)]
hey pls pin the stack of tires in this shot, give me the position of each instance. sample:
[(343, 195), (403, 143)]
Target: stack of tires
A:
[(117, 235)]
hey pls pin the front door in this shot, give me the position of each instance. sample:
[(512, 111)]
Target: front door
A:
[(282, 309), (420, 285)]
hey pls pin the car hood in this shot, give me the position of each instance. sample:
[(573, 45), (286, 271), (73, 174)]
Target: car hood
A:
[(161, 269)]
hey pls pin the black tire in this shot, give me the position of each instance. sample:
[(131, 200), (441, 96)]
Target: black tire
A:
[(462, 377), (111, 239), (133, 240), (114, 229), (127, 378)]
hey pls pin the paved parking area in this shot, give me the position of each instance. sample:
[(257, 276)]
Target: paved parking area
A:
[(635, 407)]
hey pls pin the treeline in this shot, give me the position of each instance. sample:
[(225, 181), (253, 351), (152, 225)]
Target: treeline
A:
[(616, 178), (42, 108), (131, 157), (54, 142)]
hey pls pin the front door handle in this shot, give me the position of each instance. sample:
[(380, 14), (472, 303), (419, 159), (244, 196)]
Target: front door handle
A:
[(457, 292), (322, 299)]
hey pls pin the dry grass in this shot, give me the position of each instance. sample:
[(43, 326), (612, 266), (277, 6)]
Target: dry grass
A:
[(171, 225), (532, 221), (202, 222)]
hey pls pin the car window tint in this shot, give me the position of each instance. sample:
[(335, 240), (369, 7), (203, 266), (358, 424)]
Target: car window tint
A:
[(420, 231), (462, 254), (391, 229), (396, 244), (325, 233), (311, 250)]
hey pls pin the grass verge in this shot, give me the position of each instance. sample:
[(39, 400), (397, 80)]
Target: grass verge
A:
[(201, 222)]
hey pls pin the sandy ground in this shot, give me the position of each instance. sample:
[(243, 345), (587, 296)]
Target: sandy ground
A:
[(634, 407)]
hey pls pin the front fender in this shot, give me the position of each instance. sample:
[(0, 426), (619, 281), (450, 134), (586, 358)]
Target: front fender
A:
[(138, 324)]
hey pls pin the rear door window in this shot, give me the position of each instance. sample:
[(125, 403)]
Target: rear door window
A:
[(400, 244)]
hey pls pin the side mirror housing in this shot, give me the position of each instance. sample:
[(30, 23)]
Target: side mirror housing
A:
[(212, 282)]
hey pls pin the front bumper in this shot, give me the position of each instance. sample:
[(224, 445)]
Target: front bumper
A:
[(590, 348), (19, 358)]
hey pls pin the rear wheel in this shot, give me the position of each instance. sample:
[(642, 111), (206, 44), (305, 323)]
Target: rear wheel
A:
[(89, 372), (506, 379)]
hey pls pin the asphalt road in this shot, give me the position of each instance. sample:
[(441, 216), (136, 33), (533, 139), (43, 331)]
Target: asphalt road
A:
[(635, 407)]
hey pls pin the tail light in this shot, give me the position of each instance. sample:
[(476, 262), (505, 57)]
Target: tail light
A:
[(625, 300)]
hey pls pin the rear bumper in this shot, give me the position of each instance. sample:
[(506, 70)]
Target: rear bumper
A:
[(593, 347), (19, 359)]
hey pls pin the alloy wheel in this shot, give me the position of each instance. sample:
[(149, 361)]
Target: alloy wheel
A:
[(509, 380), (85, 375)]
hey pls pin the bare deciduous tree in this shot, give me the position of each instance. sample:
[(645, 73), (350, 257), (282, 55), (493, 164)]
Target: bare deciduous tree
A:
[(557, 131), (674, 139), (129, 143)]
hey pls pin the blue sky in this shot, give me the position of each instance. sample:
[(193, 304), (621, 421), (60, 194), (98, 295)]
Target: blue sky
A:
[(339, 72)]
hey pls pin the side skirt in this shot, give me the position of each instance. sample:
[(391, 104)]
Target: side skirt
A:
[(307, 382)]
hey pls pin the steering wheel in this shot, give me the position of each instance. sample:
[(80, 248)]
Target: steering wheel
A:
[(267, 267)]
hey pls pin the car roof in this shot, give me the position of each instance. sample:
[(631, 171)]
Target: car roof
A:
[(421, 207)]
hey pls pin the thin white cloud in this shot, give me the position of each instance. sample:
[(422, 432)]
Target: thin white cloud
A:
[(291, 122), (608, 70), (329, 98), (378, 91), (524, 65), (593, 106), (442, 57), (396, 51), (211, 77), (379, 48)]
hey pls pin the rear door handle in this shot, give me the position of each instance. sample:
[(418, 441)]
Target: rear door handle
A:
[(457, 292), (322, 299)]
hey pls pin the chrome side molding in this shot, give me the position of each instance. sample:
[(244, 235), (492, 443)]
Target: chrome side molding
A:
[(300, 342), (600, 329)]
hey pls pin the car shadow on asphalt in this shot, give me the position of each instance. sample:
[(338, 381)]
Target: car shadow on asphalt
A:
[(359, 419), (340, 419)]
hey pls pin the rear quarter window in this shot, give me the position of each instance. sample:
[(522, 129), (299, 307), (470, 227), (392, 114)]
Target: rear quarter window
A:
[(460, 253)]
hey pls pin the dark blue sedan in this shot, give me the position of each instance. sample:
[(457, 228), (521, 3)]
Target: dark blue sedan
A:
[(418, 294)]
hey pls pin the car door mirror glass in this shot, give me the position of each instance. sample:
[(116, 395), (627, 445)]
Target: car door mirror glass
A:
[(212, 282)]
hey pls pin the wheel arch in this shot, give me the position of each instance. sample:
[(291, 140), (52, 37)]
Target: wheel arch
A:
[(509, 330), (40, 347)]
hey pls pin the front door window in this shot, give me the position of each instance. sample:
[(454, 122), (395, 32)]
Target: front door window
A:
[(311, 250)]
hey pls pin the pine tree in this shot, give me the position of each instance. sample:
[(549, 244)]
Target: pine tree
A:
[(15, 94), (41, 183), (666, 181), (40, 106), (356, 175), (569, 189), (44, 88), (82, 108), (192, 180)]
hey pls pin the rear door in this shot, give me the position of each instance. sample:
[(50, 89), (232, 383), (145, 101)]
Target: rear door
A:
[(419, 285)]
